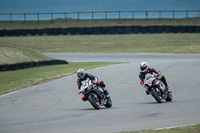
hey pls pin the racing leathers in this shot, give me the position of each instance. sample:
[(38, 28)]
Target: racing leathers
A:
[(152, 70)]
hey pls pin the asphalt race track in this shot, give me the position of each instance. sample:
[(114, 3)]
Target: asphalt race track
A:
[(56, 107)]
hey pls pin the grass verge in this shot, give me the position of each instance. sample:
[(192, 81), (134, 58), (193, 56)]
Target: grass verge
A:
[(184, 129), (15, 80), (57, 23), (132, 43), (9, 55)]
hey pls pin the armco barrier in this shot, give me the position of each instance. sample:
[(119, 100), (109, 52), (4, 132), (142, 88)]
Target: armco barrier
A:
[(22, 65), (102, 30)]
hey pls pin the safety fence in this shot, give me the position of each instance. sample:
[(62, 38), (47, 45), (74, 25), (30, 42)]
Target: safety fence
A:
[(101, 30), (99, 15), (23, 65)]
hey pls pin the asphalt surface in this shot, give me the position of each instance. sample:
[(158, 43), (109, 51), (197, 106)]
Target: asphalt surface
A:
[(55, 106)]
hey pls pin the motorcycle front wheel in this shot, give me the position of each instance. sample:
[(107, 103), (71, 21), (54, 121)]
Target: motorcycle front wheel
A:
[(93, 101), (156, 95)]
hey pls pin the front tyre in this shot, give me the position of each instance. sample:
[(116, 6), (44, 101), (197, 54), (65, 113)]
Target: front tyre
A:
[(93, 101), (156, 95)]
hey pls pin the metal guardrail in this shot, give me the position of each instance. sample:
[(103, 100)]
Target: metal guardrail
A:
[(101, 15)]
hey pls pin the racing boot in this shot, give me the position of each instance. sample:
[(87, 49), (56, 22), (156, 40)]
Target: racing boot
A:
[(106, 92), (168, 90), (147, 91)]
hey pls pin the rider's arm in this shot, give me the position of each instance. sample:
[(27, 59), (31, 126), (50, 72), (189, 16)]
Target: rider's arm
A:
[(79, 84), (155, 71), (92, 78), (141, 79)]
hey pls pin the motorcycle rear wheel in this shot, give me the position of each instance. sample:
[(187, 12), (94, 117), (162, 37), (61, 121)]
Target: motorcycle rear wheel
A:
[(169, 97), (108, 103)]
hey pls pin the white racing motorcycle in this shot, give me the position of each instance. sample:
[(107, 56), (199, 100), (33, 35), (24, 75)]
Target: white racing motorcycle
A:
[(157, 88), (95, 95)]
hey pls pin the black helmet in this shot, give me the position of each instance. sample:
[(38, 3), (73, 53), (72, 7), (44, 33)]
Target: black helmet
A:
[(144, 66)]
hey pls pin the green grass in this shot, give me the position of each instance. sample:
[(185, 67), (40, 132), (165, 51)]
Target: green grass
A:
[(14, 80), (9, 55), (184, 129), (132, 43), (98, 22)]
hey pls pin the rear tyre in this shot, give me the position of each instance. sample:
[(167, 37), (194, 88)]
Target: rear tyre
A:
[(108, 103), (169, 97), (93, 101)]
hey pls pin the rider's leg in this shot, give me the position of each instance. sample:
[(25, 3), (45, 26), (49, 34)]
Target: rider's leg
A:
[(103, 86), (163, 79)]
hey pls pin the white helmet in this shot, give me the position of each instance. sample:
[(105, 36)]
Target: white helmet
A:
[(144, 66)]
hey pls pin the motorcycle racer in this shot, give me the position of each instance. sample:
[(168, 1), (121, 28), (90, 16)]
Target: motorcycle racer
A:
[(83, 76), (146, 69)]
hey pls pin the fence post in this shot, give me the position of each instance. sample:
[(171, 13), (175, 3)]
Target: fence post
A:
[(187, 14), (65, 17), (38, 16), (146, 14), (10, 17), (199, 13), (160, 14), (133, 14), (78, 16), (92, 15), (24, 17), (51, 17)]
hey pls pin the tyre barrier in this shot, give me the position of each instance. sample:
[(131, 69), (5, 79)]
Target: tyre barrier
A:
[(152, 29), (23, 65), (121, 30), (102, 30)]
